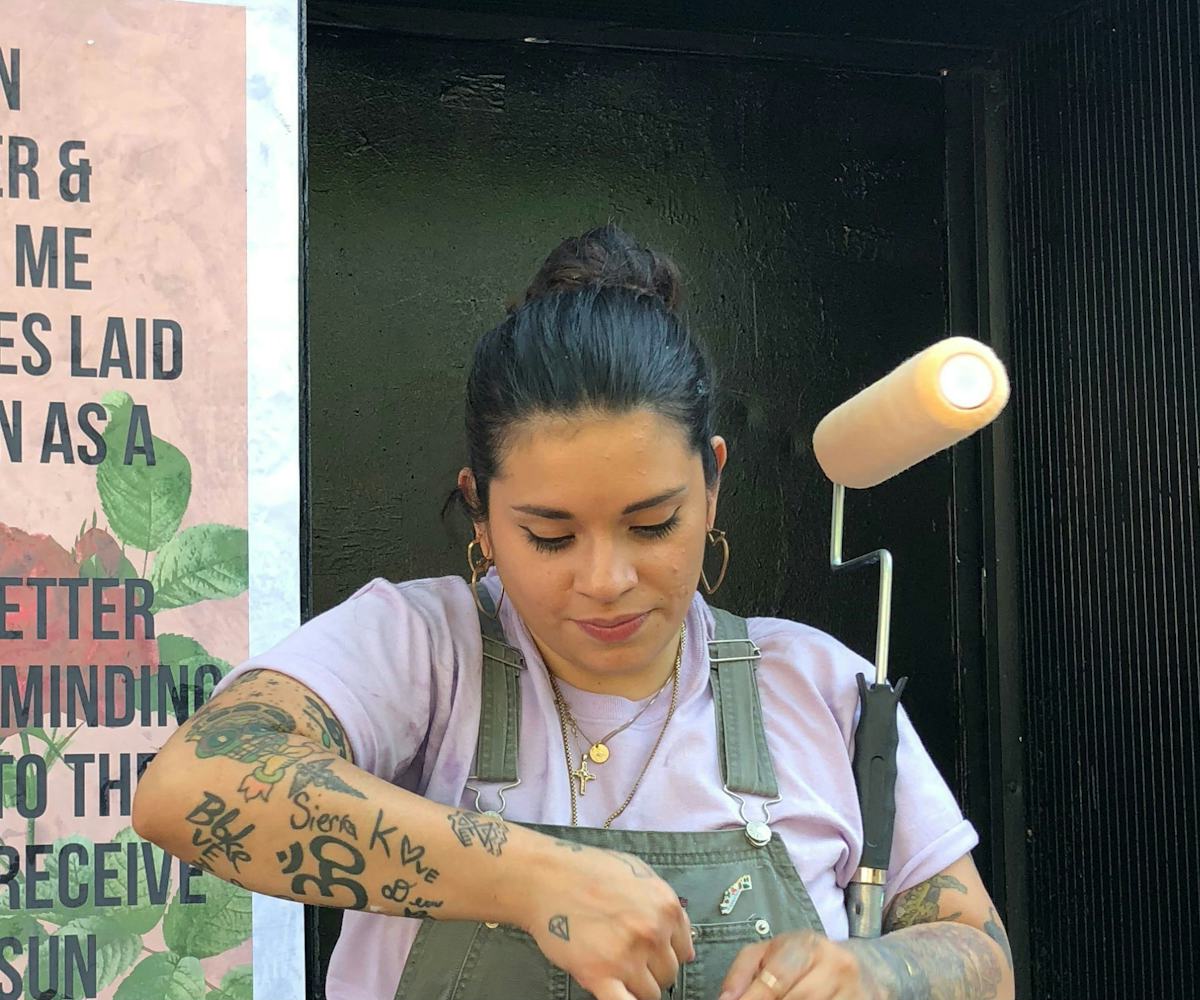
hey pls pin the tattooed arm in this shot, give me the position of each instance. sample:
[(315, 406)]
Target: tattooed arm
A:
[(942, 940), (260, 789)]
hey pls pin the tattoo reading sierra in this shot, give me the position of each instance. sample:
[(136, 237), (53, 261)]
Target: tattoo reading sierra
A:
[(215, 834), (254, 733)]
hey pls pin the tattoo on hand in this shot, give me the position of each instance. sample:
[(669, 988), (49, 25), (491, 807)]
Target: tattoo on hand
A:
[(995, 930), (490, 831), (215, 834), (921, 904), (569, 845), (559, 927)]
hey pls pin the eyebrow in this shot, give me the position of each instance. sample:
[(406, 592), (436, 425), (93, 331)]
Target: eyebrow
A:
[(553, 514)]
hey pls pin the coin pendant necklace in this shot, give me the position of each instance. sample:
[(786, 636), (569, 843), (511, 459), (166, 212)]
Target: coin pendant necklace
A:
[(597, 750), (581, 773)]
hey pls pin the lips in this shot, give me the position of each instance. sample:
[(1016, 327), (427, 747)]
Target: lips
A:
[(612, 629)]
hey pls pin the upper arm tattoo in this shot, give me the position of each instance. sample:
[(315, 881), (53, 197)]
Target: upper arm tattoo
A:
[(922, 904), (995, 930)]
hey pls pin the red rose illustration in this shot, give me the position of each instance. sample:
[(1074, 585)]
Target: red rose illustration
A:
[(24, 555)]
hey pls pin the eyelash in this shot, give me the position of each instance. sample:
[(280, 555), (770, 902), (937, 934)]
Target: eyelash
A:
[(654, 531)]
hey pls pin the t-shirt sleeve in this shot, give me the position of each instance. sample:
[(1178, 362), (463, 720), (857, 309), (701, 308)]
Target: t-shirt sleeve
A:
[(930, 832), (370, 659)]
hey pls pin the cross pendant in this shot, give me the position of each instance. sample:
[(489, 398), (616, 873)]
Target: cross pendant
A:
[(582, 775)]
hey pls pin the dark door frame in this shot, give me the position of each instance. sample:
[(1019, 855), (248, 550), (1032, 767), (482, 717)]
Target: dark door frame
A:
[(986, 596)]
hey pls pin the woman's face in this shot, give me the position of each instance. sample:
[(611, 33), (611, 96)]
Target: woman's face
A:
[(597, 527)]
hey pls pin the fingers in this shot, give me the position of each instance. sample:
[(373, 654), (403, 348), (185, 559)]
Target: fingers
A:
[(681, 939), (664, 967), (645, 987), (781, 965), (611, 989), (743, 970)]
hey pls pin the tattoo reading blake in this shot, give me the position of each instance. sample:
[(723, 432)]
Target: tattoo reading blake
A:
[(490, 831), (215, 834)]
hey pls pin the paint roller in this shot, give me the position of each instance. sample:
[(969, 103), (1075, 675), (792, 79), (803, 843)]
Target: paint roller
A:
[(929, 403)]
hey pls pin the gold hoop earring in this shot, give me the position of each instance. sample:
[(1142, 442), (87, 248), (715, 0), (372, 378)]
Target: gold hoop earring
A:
[(480, 564), (716, 537)]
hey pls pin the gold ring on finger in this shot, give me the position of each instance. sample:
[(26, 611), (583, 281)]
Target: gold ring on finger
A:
[(769, 980)]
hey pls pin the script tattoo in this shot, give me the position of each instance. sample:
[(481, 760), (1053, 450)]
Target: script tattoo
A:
[(215, 834), (333, 736), (921, 903), (336, 861), (559, 927), (409, 853), (417, 906), (490, 831)]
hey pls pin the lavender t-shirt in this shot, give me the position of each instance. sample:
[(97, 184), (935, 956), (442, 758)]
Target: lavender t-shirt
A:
[(399, 665)]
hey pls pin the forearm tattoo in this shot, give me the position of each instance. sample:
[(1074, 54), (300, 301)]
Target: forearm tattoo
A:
[(491, 832), (925, 955)]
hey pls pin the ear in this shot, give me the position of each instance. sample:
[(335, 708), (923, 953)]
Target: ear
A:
[(466, 483), (721, 454)]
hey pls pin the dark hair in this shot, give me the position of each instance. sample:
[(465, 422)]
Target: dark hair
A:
[(597, 331)]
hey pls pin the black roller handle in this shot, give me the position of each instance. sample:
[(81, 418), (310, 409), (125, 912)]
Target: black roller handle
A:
[(875, 743)]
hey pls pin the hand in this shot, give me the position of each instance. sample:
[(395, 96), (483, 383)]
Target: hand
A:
[(798, 966), (608, 920)]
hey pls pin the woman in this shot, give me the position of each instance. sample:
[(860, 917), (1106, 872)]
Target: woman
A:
[(571, 776)]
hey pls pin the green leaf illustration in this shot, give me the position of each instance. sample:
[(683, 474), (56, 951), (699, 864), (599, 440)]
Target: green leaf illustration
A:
[(180, 657), (78, 879), (238, 984), (165, 976), (142, 916), (19, 925), (144, 503), (203, 930), (200, 563), (91, 568), (116, 950)]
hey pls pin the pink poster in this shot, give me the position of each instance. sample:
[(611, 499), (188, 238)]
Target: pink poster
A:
[(123, 479)]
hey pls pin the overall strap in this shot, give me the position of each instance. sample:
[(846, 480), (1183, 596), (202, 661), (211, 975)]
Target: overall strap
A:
[(500, 705), (741, 739)]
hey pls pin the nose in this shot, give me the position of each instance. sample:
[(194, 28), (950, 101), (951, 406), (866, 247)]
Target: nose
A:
[(606, 572)]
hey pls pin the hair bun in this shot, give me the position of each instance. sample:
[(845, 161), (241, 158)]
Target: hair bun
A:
[(608, 257)]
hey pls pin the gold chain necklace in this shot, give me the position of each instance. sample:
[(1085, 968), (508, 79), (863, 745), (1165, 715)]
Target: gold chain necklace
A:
[(597, 751), (581, 774)]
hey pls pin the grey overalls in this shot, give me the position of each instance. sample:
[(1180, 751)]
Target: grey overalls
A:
[(463, 960)]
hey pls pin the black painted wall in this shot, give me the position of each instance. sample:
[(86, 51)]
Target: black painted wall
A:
[(806, 208), (1105, 198)]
